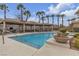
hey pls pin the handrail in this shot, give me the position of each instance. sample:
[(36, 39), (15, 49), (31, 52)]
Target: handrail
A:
[(3, 40)]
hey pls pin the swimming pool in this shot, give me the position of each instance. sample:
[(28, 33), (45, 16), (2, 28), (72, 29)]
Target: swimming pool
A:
[(36, 40)]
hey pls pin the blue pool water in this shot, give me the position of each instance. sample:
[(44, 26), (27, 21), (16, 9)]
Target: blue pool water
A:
[(34, 40)]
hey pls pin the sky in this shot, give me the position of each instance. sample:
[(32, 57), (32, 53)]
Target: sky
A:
[(68, 9)]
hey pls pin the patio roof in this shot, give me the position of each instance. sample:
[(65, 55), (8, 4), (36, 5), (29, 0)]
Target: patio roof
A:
[(18, 22)]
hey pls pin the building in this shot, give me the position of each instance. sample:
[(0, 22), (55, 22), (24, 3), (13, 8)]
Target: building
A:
[(23, 26), (74, 26)]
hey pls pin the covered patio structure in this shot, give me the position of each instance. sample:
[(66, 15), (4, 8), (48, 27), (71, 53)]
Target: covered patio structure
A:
[(23, 26)]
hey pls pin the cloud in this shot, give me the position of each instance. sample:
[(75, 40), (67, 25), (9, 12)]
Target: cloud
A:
[(59, 8), (68, 9), (70, 13)]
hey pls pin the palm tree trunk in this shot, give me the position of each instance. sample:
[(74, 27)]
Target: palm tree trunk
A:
[(21, 14), (53, 20), (42, 20), (43, 23), (58, 22), (62, 21), (48, 20), (39, 19), (26, 18), (4, 14), (22, 17)]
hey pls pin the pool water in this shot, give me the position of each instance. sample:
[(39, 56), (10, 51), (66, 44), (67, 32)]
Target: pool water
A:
[(35, 40)]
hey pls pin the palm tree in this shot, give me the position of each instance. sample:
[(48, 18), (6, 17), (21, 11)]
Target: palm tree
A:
[(47, 16), (27, 14), (42, 16), (4, 7), (58, 19), (21, 8), (39, 15), (62, 16), (52, 18)]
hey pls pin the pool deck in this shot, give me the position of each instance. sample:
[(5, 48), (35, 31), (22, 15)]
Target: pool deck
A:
[(15, 48)]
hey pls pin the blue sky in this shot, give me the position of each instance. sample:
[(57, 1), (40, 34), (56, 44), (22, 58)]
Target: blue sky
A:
[(49, 8)]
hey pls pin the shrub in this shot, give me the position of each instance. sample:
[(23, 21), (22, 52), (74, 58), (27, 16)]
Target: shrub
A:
[(63, 30), (77, 43), (76, 35)]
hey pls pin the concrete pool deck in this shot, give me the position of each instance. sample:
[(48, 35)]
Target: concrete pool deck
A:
[(15, 48)]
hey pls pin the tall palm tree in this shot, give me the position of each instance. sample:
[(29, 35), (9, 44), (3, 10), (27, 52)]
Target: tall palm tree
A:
[(4, 7), (21, 8), (58, 16), (47, 16), (62, 16), (27, 14), (39, 15), (42, 16), (43, 19), (52, 18)]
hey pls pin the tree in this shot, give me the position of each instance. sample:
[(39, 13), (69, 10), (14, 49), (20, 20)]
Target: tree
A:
[(52, 18), (58, 19), (21, 8), (47, 16), (39, 15), (42, 16), (27, 14), (4, 7), (62, 16)]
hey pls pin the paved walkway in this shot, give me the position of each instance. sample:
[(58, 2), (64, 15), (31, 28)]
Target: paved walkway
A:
[(15, 48)]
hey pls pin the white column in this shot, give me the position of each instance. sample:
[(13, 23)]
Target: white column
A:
[(34, 27), (52, 27), (23, 27), (4, 26), (43, 27)]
